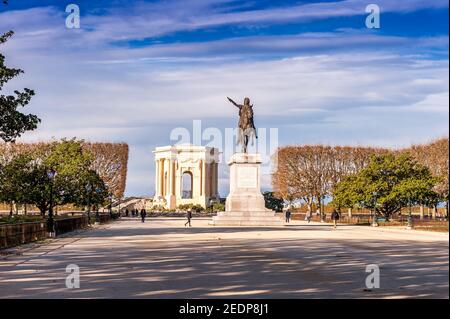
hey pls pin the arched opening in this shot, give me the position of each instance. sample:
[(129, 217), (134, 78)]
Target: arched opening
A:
[(187, 185)]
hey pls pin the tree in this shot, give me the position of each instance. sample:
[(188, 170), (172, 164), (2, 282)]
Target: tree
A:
[(309, 172), (13, 123), (15, 180), (72, 165), (389, 183), (434, 155), (110, 161), (273, 202), (91, 190), (24, 178)]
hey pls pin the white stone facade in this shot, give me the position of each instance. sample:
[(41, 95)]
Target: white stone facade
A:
[(198, 164)]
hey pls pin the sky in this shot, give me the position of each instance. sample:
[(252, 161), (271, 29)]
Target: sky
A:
[(136, 70)]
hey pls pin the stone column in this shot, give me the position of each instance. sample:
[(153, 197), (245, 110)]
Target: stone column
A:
[(421, 211), (167, 180), (161, 175), (170, 187), (174, 174), (212, 181), (349, 213), (157, 177), (202, 178), (204, 174)]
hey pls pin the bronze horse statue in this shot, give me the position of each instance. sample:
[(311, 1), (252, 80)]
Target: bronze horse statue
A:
[(246, 130)]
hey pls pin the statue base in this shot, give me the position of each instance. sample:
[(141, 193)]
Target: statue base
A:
[(245, 205)]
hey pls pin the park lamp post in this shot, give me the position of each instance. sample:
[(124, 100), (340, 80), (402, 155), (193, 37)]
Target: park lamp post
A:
[(374, 219), (51, 174)]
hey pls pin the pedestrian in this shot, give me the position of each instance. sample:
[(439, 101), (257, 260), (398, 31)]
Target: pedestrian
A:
[(308, 217), (189, 217), (288, 215), (335, 217), (143, 215)]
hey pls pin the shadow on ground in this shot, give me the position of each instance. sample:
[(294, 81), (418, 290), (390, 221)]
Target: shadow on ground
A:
[(128, 262)]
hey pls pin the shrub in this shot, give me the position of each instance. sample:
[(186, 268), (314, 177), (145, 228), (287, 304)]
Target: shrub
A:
[(216, 207), (185, 206), (196, 208), (158, 208)]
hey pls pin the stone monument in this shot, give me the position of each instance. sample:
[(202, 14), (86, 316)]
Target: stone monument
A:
[(186, 174), (245, 204)]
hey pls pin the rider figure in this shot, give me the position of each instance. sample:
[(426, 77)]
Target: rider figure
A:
[(246, 124)]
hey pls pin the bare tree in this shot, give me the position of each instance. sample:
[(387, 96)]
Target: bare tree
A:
[(110, 162)]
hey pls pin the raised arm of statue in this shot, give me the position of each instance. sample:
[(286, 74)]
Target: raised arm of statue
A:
[(235, 104)]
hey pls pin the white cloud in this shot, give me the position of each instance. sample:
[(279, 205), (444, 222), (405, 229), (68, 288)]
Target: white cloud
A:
[(143, 20), (432, 103)]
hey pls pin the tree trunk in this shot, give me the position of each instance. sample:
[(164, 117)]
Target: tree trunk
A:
[(42, 209), (349, 213), (309, 209), (446, 209), (321, 209), (421, 212), (433, 212)]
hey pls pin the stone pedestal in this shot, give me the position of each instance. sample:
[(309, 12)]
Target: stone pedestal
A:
[(245, 204)]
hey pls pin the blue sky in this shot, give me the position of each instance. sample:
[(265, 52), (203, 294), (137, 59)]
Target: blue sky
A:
[(138, 69)]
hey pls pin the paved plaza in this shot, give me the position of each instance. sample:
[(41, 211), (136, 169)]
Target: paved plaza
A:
[(163, 259)]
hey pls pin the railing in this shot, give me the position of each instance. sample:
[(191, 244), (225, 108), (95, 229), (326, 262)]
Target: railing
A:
[(69, 224), (17, 234), (103, 217), (22, 233), (357, 220), (397, 220)]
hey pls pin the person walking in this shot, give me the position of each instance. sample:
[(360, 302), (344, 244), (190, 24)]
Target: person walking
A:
[(308, 217), (143, 214), (288, 215), (189, 217), (335, 217)]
